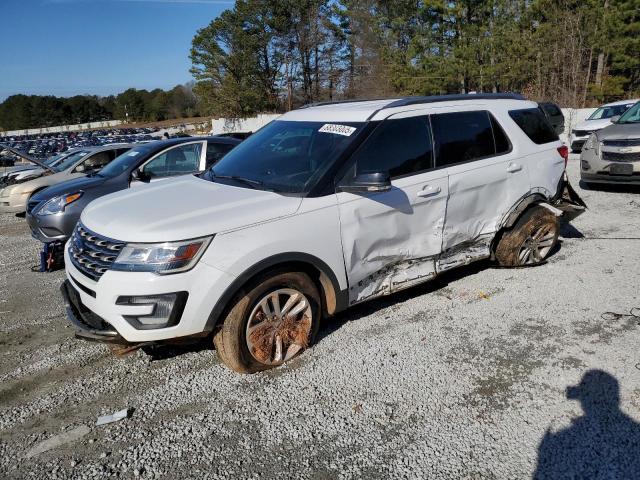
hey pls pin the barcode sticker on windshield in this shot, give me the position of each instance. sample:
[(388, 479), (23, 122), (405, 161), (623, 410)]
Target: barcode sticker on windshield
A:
[(337, 129)]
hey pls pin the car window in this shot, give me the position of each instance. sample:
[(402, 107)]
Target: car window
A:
[(551, 109), (286, 156), (610, 111), (462, 137), (96, 161), (632, 115), (215, 151), (400, 147), (175, 161), (534, 124), (71, 160)]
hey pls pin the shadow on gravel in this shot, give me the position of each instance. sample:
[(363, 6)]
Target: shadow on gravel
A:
[(164, 352), (569, 231), (604, 443), (373, 306)]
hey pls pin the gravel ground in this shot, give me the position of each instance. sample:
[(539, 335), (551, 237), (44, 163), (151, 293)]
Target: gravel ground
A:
[(465, 377)]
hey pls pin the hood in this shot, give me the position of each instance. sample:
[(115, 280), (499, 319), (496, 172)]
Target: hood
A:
[(70, 186), (620, 131), (30, 159), (592, 125), (183, 208)]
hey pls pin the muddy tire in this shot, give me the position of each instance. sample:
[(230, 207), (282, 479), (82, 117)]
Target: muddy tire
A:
[(270, 322), (530, 240)]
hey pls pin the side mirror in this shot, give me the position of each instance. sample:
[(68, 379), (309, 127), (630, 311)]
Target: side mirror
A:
[(615, 119), (140, 176), (368, 182)]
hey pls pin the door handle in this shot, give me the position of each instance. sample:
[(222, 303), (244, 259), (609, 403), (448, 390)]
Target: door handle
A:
[(514, 167), (429, 190)]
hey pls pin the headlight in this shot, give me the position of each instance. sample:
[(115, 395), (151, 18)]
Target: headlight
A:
[(169, 257), (592, 143), (58, 204)]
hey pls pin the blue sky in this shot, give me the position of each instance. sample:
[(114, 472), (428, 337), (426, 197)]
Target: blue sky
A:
[(69, 47)]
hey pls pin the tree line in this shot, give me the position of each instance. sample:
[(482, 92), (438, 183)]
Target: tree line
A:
[(18, 112), (274, 55)]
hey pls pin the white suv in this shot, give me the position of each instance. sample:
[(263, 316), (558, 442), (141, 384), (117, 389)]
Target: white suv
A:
[(326, 207)]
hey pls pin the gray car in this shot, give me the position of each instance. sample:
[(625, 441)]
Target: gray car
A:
[(14, 198), (53, 213), (612, 155)]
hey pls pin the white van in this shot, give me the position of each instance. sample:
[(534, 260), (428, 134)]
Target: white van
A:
[(328, 206)]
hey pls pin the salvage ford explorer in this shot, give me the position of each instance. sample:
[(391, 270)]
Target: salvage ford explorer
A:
[(329, 206)]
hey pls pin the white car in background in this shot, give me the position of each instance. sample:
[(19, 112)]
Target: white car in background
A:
[(601, 118)]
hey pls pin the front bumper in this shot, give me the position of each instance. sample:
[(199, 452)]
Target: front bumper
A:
[(13, 203), (204, 285), (50, 228), (597, 168), (604, 177)]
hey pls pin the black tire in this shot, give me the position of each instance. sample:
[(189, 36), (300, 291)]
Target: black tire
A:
[(515, 242), (231, 339)]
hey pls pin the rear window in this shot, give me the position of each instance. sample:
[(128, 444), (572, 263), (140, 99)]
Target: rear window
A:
[(536, 126)]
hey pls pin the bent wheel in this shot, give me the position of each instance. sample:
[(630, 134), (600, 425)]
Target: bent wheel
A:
[(530, 240), (271, 323)]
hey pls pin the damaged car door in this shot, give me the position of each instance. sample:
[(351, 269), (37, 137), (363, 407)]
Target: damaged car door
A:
[(392, 230), (486, 179)]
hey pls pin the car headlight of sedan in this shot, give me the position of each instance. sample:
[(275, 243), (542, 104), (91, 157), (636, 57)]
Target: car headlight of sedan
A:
[(58, 204), (161, 258)]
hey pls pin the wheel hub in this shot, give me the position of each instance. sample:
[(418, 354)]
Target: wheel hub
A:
[(279, 326)]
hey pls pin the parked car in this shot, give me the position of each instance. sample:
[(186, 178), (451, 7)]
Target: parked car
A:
[(554, 115), (612, 155), (52, 213), (323, 208), (601, 118), (17, 174), (14, 197)]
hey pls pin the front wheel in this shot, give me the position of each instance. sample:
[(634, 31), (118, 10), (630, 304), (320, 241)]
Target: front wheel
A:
[(271, 323), (530, 240)]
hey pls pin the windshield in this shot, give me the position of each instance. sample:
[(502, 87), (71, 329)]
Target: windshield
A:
[(285, 156), (608, 112), (71, 160), (631, 116), (53, 160), (124, 162)]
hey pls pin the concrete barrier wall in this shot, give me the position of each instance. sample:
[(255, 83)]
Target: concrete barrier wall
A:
[(62, 128), (229, 125)]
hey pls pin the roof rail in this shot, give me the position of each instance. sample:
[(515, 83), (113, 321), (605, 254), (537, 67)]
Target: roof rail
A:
[(337, 102), (403, 102)]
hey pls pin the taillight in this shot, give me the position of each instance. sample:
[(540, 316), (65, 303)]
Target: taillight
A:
[(564, 153)]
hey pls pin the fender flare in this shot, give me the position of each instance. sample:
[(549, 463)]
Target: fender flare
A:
[(334, 298)]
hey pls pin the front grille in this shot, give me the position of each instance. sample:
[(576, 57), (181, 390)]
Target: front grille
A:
[(624, 142), (91, 253), (621, 157), (581, 133)]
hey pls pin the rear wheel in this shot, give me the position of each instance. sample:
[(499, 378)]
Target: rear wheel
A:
[(530, 240), (271, 323)]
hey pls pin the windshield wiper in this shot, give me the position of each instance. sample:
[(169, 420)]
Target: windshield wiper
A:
[(246, 181)]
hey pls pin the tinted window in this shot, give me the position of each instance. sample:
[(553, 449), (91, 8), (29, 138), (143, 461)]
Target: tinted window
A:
[(215, 151), (176, 161), (551, 109), (503, 145), (532, 122), (400, 147), (462, 136)]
